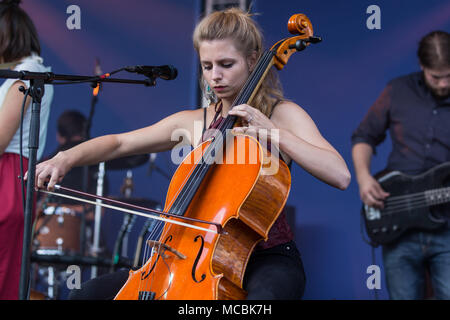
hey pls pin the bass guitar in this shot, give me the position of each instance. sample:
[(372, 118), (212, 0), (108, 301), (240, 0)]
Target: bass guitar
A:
[(415, 202)]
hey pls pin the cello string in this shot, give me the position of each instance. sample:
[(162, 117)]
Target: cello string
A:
[(155, 254), (181, 188), (246, 91), (200, 170), (155, 234), (193, 179), (145, 257), (148, 254), (153, 251), (160, 220), (147, 283)]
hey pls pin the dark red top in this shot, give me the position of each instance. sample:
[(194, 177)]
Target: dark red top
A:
[(281, 231)]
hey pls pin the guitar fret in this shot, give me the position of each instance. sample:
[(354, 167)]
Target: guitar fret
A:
[(438, 196)]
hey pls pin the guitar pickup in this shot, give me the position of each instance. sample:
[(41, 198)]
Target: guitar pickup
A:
[(372, 213)]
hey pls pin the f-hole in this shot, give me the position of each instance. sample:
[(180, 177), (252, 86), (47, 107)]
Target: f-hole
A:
[(194, 267)]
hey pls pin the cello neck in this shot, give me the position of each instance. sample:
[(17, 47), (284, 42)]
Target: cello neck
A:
[(250, 87), (246, 94)]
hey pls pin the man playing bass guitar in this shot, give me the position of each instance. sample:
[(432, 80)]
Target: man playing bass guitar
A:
[(416, 110)]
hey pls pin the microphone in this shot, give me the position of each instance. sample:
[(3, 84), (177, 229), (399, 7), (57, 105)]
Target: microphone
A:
[(166, 72)]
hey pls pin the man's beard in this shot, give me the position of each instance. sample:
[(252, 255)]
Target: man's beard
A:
[(440, 94)]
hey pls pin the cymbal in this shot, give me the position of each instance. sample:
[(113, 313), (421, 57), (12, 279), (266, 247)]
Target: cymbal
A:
[(128, 162)]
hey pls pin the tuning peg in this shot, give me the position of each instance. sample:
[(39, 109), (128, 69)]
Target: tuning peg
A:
[(314, 39), (299, 45), (302, 44)]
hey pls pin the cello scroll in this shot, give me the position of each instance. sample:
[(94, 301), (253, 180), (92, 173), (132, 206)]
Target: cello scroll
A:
[(297, 24)]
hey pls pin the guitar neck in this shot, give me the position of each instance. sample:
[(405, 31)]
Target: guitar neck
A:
[(438, 196)]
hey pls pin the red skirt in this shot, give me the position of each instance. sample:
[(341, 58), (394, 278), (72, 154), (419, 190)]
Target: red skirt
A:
[(11, 224)]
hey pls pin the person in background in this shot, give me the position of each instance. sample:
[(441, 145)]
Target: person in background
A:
[(19, 50), (415, 109), (71, 131)]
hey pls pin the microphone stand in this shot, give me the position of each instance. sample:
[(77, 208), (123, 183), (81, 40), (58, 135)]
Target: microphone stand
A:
[(36, 92), (121, 245), (85, 179), (37, 82)]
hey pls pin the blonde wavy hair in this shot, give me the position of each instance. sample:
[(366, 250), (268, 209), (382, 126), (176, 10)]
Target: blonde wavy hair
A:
[(238, 25)]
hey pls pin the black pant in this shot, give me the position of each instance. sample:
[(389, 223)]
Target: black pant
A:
[(272, 274), (275, 274)]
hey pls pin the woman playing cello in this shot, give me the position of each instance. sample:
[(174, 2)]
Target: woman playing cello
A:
[(229, 44)]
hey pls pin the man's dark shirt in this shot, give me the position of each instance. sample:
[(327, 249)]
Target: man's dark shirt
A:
[(418, 123)]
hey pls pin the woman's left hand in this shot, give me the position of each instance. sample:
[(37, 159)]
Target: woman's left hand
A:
[(253, 120)]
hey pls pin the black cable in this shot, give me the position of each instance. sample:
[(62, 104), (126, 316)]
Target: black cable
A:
[(368, 241), (375, 290), (21, 143)]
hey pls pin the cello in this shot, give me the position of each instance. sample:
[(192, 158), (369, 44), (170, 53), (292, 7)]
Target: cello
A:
[(208, 263)]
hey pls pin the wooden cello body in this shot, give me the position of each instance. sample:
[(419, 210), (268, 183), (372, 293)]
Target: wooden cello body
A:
[(244, 199), (243, 190)]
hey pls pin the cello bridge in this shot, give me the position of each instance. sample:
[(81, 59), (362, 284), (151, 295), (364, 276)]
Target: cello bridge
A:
[(161, 248)]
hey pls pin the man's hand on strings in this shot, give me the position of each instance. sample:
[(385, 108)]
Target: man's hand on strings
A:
[(371, 192)]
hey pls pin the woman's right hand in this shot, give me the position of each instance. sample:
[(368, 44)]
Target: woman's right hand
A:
[(51, 171), (371, 192)]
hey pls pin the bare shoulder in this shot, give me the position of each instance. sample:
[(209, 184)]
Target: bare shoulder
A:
[(186, 118), (293, 118), (288, 113)]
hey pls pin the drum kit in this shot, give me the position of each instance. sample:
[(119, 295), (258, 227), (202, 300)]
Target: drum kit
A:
[(67, 234)]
